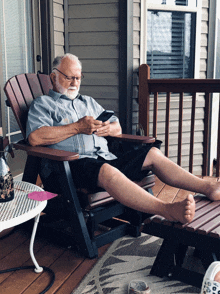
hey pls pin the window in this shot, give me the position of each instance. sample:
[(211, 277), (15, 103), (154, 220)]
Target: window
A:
[(170, 45), (169, 37), (190, 3)]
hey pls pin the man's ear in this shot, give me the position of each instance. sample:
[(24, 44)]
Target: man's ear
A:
[(53, 78)]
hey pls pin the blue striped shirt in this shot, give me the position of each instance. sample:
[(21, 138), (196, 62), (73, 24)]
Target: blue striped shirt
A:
[(57, 110)]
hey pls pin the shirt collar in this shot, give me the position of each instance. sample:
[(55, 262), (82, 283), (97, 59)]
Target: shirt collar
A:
[(56, 96)]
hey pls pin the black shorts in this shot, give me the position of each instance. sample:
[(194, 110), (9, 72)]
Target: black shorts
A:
[(85, 171)]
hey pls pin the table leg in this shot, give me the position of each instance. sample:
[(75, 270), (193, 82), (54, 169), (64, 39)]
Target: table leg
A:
[(38, 269)]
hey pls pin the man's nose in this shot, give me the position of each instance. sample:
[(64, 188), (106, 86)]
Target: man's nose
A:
[(74, 81)]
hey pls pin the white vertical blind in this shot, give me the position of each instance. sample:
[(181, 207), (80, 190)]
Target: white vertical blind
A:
[(16, 40)]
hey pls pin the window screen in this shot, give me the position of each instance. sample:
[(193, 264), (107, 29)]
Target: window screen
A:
[(170, 44)]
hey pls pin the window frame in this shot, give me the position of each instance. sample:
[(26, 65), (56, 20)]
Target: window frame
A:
[(214, 33), (143, 34)]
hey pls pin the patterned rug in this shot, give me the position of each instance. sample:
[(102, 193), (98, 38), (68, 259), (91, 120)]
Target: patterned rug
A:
[(132, 258)]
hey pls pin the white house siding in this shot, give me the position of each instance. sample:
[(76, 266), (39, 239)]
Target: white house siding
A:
[(204, 39), (58, 25), (174, 104), (136, 62), (93, 35)]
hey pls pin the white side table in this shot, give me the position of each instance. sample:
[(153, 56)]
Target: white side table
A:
[(22, 209)]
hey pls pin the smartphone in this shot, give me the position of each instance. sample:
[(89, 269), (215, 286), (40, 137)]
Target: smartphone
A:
[(105, 115)]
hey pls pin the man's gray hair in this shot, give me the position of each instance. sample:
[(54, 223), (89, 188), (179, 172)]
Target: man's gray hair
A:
[(58, 59)]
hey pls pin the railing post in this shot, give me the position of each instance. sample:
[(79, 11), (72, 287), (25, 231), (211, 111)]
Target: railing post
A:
[(144, 97), (205, 171), (218, 144), (192, 133), (167, 125), (180, 129)]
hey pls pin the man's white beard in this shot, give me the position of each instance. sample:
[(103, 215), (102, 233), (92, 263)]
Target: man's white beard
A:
[(68, 92)]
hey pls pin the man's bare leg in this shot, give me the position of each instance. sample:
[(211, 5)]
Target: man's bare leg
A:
[(173, 175), (131, 195)]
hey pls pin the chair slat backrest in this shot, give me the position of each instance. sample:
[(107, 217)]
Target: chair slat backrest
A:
[(180, 87), (21, 90), (24, 86), (34, 84), (45, 83)]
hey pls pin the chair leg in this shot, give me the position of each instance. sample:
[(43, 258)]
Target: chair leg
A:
[(180, 254), (164, 262), (135, 219), (81, 234), (207, 257), (30, 174)]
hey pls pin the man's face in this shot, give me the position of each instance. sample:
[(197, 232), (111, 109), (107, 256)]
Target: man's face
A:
[(64, 85)]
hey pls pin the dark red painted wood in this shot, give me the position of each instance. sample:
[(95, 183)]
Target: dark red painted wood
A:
[(18, 112), (25, 89), (45, 82), (34, 84)]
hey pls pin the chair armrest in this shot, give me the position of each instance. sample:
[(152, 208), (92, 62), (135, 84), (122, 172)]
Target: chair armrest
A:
[(132, 138), (61, 155), (45, 152)]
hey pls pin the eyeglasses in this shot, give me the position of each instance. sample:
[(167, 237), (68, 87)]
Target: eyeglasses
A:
[(68, 78)]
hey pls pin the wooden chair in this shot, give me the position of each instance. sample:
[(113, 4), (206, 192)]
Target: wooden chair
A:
[(84, 216), (203, 232)]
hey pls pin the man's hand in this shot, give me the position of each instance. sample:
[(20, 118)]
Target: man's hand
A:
[(104, 130), (88, 125)]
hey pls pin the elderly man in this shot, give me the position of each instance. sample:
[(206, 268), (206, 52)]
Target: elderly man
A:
[(66, 120)]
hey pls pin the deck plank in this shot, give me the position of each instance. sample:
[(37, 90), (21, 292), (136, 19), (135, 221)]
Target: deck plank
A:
[(164, 192), (17, 257), (69, 268), (63, 266), (157, 187), (76, 277), (11, 242), (45, 256)]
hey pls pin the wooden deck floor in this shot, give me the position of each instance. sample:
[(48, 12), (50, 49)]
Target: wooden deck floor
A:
[(67, 265)]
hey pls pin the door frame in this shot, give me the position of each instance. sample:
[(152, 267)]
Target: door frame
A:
[(47, 35)]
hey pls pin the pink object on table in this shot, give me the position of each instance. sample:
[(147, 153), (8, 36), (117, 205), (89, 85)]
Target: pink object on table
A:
[(41, 195)]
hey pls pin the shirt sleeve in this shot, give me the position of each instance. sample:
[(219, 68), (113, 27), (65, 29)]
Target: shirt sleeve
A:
[(39, 114), (98, 109)]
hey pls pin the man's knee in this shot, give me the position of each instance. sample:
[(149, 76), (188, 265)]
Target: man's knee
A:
[(154, 151), (153, 154), (106, 174)]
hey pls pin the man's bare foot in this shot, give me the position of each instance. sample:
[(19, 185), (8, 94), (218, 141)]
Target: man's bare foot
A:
[(213, 192), (182, 211)]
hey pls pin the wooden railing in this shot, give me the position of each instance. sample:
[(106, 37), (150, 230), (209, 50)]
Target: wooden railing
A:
[(153, 87)]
